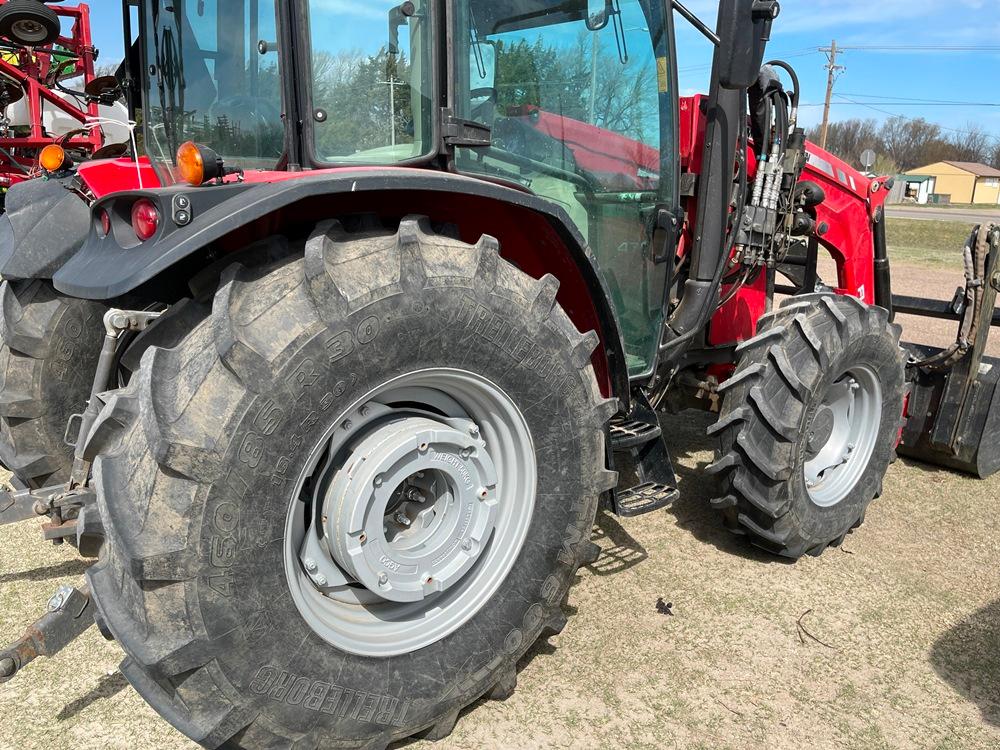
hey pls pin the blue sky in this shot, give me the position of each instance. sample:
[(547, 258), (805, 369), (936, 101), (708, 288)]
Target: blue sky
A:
[(879, 78), (876, 78)]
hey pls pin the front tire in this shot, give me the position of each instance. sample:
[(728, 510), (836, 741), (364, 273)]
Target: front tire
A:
[(206, 470), (809, 423)]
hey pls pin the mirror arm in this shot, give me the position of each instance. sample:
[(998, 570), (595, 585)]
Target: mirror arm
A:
[(691, 18)]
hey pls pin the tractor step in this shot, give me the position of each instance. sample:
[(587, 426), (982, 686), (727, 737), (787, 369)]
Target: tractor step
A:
[(629, 433), (645, 498), (646, 473)]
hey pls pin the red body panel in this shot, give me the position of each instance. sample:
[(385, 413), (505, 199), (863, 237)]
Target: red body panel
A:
[(106, 176)]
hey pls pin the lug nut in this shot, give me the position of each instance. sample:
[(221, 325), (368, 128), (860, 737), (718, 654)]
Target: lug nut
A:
[(348, 424), (310, 565), (401, 519), (467, 545), (383, 579), (473, 429), (365, 411), (321, 580)]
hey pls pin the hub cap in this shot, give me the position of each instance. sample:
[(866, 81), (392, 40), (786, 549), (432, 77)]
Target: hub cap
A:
[(410, 512), (28, 30), (842, 436)]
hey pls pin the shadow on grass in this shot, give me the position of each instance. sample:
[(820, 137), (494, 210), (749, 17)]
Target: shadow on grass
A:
[(686, 438), (65, 568), (107, 686), (619, 549), (967, 657)]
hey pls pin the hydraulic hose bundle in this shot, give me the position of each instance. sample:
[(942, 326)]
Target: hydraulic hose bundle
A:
[(975, 255)]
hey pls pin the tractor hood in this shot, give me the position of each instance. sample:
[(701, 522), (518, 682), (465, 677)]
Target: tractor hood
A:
[(45, 223)]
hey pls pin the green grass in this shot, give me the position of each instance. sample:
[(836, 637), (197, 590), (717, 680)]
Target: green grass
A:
[(935, 244)]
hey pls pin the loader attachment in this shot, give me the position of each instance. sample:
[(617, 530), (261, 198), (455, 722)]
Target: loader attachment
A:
[(953, 413)]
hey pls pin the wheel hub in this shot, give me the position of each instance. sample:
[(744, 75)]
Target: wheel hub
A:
[(28, 30), (842, 436), (409, 513)]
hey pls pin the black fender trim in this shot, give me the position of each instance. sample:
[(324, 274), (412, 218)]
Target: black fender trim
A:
[(108, 267), (44, 225)]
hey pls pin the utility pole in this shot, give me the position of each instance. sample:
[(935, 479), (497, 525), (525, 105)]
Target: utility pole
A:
[(392, 83), (834, 69)]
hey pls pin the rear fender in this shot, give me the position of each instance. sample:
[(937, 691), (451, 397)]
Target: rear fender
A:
[(535, 235), (44, 224)]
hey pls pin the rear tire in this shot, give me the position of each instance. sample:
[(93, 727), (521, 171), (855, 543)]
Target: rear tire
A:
[(203, 459), (49, 345), (809, 423)]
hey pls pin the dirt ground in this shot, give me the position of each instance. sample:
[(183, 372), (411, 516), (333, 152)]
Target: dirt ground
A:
[(892, 641)]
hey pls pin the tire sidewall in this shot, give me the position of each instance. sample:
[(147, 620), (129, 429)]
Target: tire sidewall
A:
[(277, 661), (881, 354)]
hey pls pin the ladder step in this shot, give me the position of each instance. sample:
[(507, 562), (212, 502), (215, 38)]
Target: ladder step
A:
[(629, 433), (645, 498)]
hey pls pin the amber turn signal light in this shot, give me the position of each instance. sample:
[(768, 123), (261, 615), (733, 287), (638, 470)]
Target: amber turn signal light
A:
[(198, 164), (54, 158)]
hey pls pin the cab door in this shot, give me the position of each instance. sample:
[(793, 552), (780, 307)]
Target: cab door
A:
[(581, 100)]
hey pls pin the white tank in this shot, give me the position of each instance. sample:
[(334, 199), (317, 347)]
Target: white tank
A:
[(56, 122)]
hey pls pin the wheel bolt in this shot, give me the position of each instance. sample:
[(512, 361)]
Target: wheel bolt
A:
[(401, 519), (310, 565), (383, 579)]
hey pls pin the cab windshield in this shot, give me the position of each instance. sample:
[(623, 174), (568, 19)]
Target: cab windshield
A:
[(212, 76)]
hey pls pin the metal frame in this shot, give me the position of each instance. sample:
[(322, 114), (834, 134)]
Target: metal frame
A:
[(33, 66)]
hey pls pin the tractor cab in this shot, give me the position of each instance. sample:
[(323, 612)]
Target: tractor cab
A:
[(571, 101)]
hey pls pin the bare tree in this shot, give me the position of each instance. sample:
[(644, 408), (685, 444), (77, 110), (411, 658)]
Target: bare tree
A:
[(974, 144), (850, 138)]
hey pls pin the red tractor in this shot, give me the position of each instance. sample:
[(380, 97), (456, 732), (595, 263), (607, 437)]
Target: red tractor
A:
[(50, 94), (349, 362)]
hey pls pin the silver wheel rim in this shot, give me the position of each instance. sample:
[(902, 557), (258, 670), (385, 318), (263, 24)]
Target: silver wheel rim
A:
[(28, 30), (410, 512), (843, 436)]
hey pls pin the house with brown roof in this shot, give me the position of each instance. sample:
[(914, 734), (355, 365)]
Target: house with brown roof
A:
[(962, 182)]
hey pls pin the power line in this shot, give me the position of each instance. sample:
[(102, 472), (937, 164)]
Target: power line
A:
[(921, 48), (908, 100), (914, 119)]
